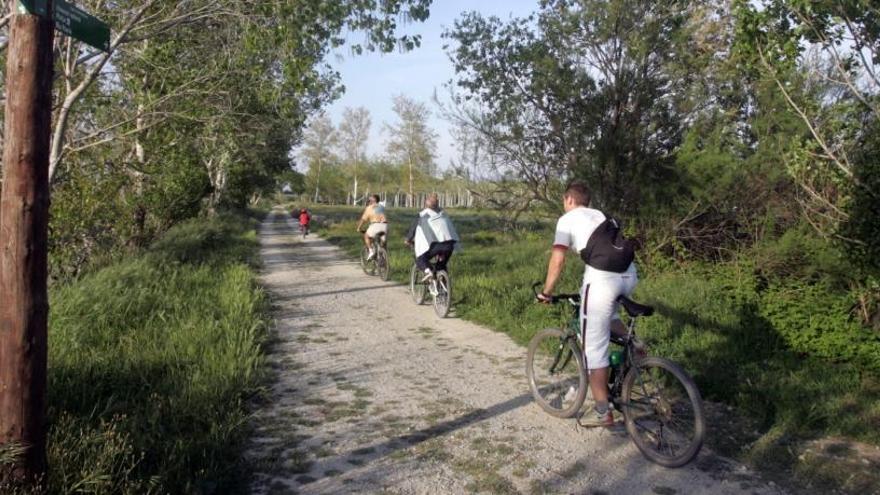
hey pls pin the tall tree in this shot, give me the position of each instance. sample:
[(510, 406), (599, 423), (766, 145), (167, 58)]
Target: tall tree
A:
[(319, 141), (823, 59), (354, 132), (580, 89), (411, 141)]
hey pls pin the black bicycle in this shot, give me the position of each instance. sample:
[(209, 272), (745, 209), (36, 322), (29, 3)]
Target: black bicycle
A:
[(660, 402), (439, 286), (378, 264)]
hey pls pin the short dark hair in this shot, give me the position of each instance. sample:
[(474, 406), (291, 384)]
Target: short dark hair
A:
[(375, 197), (579, 192)]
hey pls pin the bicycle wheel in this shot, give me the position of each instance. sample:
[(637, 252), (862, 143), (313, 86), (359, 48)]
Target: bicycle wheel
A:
[(382, 267), (443, 297), (556, 374), (369, 266), (416, 288), (663, 412)]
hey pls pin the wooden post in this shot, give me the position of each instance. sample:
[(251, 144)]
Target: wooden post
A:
[(24, 215)]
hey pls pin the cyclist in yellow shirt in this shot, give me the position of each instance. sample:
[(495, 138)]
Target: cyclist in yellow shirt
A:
[(374, 215)]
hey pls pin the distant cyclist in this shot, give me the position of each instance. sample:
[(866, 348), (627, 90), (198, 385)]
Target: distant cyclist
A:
[(374, 215), (600, 290), (305, 218), (432, 234)]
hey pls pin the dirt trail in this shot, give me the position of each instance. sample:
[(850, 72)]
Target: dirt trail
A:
[(374, 394)]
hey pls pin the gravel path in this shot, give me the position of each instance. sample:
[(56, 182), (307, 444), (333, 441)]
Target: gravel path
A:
[(374, 394)]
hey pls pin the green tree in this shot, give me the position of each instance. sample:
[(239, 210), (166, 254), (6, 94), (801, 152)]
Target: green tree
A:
[(354, 132), (579, 89), (411, 141), (202, 105), (319, 142)]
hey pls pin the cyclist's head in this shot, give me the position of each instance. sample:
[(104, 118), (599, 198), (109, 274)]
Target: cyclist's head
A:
[(576, 194), (374, 198), (432, 201)]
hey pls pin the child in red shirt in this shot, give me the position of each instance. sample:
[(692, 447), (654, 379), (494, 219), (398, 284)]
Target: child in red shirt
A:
[(304, 219)]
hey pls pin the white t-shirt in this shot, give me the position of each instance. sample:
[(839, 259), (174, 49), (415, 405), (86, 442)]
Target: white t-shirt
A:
[(574, 229)]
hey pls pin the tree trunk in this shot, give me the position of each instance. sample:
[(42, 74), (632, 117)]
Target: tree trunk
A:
[(217, 174), (139, 237), (318, 181), (24, 216), (410, 200)]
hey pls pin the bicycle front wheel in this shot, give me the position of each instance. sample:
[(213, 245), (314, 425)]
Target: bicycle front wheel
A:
[(416, 287), (663, 412), (443, 297), (556, 374), (382, 263), (368, 265)]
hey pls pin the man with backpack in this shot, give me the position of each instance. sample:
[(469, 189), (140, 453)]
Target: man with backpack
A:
[(609, 273)]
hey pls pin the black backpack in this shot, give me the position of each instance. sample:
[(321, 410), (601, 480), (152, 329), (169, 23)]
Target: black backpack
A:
[(607, 249)]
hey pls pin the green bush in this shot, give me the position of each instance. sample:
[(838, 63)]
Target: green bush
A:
[(749, 348), (151, 361)]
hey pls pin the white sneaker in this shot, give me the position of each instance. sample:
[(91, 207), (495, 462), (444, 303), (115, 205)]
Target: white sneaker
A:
[(372, 254), (428, 276)]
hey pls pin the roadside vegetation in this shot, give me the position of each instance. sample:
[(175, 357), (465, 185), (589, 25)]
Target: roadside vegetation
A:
[(783, 351), (152, 360)]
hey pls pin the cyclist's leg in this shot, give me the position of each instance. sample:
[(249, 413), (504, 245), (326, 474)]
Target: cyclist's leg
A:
[(444, 252), (599, 304), (423, 261)]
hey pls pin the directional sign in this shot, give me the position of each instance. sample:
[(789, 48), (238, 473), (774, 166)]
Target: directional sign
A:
[(72, 21), (79, 24), (38, 7)]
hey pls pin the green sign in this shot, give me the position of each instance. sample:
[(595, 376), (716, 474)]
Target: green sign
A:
[(37, 7), (79, 24), (72, 21)]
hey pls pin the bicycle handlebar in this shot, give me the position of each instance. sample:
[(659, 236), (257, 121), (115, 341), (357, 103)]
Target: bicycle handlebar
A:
[(572, 298)]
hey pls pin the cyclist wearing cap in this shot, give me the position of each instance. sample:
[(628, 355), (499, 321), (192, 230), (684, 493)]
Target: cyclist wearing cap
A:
[(599, 293), (374, 214)]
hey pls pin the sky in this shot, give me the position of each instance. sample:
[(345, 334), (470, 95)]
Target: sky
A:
[(372, 79)]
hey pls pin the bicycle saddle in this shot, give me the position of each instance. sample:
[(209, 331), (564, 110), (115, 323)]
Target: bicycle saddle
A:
[(633, 308)]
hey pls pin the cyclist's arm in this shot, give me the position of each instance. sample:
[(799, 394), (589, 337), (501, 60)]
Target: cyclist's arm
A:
[(411, 232), (362, 220), (554, 269)]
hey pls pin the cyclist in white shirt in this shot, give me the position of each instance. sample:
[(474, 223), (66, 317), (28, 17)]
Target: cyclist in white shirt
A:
[(599, 293), (432, 234)]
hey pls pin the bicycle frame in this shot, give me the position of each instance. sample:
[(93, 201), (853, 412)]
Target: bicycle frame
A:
[(616, 374)]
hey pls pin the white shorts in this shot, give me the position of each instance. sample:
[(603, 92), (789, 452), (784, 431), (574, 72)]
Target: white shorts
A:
[(375, 228), (599, 305)]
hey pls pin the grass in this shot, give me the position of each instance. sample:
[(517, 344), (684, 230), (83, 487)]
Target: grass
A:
[(733, 336), (151, 363)]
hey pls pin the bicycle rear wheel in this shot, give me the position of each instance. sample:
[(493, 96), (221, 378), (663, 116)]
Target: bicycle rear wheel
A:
[(443, 297), (416, 288), (369, 266), (556, 374), (382, 263), (663, 412)]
